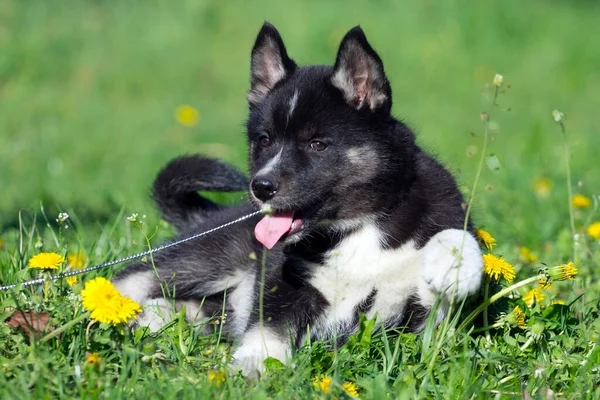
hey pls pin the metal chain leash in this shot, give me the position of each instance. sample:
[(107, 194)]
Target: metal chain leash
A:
[(129, 258)]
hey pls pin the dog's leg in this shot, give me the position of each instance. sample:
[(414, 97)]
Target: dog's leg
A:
[(194, 270), (258, 344), (186, 275), (144, 288), (452, 263), (287, 312)]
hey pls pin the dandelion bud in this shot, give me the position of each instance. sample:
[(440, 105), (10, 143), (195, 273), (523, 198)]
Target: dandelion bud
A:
[(538, 327), (498, 79), (517, 317), (511, 318), (149, 348), (485, 238), (563, 272)]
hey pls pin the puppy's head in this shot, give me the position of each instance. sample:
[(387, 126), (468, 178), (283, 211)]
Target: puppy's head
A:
[(324, 148)]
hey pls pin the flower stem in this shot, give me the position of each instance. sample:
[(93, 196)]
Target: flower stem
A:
[(493, 326), (440, 338), (66, 326), (261, 294), (496, 297), (567, 155), (486, 295), (486, 131), (527, 343)]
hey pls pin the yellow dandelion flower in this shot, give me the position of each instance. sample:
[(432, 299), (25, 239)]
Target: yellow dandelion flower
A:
[(581, 201), (128, 310), (216, 378), (106, 303), (563, 272), (1, 243), (542, 187), (75, 261), (557, 302), (527, 255), (187, 115), (46, 261), (497, 267), (519, 317), (322, 382), (534, 295), (350, 388), (94, 359), (594, 230), (486, 239), (543, 283)]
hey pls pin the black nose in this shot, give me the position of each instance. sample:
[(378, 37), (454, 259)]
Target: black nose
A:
[(263, 188)]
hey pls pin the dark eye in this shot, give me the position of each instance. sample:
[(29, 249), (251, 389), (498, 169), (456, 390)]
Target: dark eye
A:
[(317, 145), (264, 141)]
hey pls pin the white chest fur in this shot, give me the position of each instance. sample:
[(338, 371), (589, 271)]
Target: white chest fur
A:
[(357, 267), (360, 264)]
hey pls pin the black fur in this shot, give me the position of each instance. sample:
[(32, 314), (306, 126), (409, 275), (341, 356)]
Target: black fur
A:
[(175, 188), (370, 170)]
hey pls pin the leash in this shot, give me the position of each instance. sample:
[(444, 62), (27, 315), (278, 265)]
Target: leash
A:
[(129, 258)]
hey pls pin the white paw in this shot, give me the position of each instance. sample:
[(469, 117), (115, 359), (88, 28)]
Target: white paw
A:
[(258, 345), (156, 314), (453, 257)]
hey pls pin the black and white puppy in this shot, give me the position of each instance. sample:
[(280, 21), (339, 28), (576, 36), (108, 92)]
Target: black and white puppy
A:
[(363, 220)]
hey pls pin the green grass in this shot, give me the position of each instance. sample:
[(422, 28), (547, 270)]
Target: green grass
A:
[(88, 92)]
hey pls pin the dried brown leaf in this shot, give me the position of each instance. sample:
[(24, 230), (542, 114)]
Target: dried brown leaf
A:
[(34, 323)]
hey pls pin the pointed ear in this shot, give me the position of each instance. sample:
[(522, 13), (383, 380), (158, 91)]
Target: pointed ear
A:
[(269, 64), (358, 73)]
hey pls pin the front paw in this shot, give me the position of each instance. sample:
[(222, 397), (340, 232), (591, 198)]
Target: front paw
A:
[(453, 257), (258, 345)]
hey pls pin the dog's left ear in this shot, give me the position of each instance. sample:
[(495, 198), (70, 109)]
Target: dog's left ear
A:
[(269, 64), (358, 73)]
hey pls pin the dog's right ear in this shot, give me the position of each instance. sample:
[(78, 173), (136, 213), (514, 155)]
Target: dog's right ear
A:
[(269, 64)]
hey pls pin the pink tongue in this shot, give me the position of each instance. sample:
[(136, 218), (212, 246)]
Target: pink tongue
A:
[(270, 229)]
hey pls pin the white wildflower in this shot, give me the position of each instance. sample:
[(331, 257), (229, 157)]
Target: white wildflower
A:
[(498, 80), (62, 217), (133, 217), (557, 115)]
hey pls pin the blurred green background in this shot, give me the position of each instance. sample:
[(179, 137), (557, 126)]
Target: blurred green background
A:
[(88, 92)]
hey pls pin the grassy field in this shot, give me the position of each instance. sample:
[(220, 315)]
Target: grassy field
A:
[(88, 98)]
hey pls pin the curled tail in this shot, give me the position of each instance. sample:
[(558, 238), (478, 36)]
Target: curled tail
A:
[(176, 187)]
